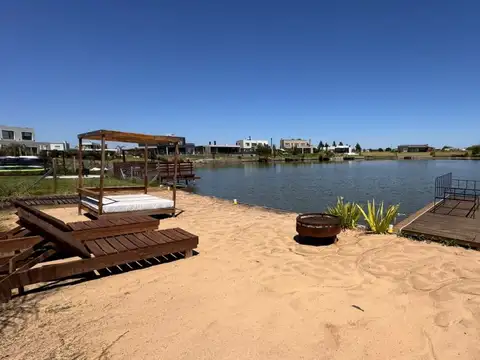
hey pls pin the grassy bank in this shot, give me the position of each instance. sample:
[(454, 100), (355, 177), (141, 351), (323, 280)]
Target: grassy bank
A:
[(11, 186), (414, 155)]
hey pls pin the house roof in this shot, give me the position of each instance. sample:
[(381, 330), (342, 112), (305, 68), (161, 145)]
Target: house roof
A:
[(423, 145), (112, 135), (220, 146)]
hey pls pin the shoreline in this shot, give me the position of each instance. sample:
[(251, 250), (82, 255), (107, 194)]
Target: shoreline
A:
[(227, 161), (253, 291)]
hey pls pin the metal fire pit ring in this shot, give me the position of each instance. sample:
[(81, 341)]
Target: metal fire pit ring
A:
[(318, 225)]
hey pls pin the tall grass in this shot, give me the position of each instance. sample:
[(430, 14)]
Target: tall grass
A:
[(378, 221), (348, 212)]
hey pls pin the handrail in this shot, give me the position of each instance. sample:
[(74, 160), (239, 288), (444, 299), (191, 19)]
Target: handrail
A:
[(89, 192), (117, 188)]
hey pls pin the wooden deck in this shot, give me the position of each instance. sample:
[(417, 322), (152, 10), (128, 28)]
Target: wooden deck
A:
[(449, 221)]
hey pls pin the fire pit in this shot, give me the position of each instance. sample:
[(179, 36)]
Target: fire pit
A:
[(318, 225)]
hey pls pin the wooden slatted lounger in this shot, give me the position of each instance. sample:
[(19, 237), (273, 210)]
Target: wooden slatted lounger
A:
[(84, 255), (91, 229)]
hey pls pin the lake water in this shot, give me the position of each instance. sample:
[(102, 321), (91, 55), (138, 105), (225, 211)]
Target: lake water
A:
[(312, 187)]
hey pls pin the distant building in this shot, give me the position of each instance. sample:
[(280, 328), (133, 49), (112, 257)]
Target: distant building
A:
[(300, 144), (90, 146), (414, 148), (247, 145), (16, 133), (169, 149), (341, 149), (25, 138), (213, 149)]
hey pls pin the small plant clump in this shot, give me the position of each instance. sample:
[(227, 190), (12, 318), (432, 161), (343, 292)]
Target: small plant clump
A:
[(378, 221), (348, 212)]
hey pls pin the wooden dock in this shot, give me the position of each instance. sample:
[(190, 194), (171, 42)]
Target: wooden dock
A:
[(451, 220)]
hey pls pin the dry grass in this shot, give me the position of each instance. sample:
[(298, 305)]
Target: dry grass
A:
[(3, 222)]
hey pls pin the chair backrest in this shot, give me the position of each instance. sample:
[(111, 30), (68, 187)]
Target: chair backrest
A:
[(183, 168), (59, 224), (39, 226)]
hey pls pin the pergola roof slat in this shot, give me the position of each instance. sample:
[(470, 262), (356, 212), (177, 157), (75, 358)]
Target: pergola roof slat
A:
[(111, 135)]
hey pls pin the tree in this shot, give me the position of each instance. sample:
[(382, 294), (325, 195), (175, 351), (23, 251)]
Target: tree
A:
[(340, 143), (475, 149), (388, 149), (295, 151), (358, 148), (263, 150), (334, 144), (380, 149), (320, 145), (327, 146)]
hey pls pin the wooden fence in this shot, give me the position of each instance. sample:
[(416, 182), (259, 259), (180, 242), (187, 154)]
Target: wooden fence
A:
[(163, 171)]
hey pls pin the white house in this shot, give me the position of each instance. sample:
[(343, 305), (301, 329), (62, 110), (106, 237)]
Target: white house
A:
[(249, 144), (341, 149)]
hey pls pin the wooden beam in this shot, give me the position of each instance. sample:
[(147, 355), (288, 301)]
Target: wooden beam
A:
[(54, 166), (92, 234), (10, 245), (49, 231), (115, 188), (102, 177), (175, 169), (111, 135), (88, 192), (145, 169), (80, 174)]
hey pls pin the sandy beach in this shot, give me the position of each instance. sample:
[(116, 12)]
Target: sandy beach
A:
[(253, 292)]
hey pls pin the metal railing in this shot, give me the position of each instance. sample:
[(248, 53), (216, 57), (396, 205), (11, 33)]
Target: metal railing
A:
[(448, 188)]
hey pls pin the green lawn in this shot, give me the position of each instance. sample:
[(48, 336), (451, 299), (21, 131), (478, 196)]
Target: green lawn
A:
[(11, 186)]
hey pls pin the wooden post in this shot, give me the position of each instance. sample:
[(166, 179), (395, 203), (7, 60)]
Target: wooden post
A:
[(63, 161), (175, 165), (54, 166), (102, 177), (145, 173), (123, 155), (80, 175)]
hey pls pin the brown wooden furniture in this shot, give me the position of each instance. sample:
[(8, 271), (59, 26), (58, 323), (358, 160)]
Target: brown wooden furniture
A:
[(318, 225), (184, 171), (90, 229), (27, 265), (98, 193)]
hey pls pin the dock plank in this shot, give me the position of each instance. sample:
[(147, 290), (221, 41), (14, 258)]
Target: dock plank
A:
[(450, 221)]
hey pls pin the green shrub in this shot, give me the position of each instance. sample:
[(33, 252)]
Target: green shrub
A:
[(377, 221), (475, 149), (348, 213)]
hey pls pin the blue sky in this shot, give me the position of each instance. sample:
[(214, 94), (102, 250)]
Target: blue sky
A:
[(377, 72)]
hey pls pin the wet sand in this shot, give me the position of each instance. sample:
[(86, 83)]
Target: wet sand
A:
[(253, 292)]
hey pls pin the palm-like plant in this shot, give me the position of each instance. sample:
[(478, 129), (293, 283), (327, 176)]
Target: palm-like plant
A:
[(377, 220), (348, 212)]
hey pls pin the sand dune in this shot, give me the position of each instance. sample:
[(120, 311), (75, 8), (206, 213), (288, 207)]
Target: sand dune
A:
[(253, 292)]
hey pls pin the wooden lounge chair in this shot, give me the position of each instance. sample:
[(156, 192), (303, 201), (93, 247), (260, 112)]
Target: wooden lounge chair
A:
[(16, 232), (84, 255), (91, 229)]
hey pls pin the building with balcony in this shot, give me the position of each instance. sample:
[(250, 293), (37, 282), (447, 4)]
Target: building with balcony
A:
[(249, 145), (305, 146), (23, 138)]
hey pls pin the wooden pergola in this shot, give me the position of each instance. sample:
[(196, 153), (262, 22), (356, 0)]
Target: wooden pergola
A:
[(118, 136)]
